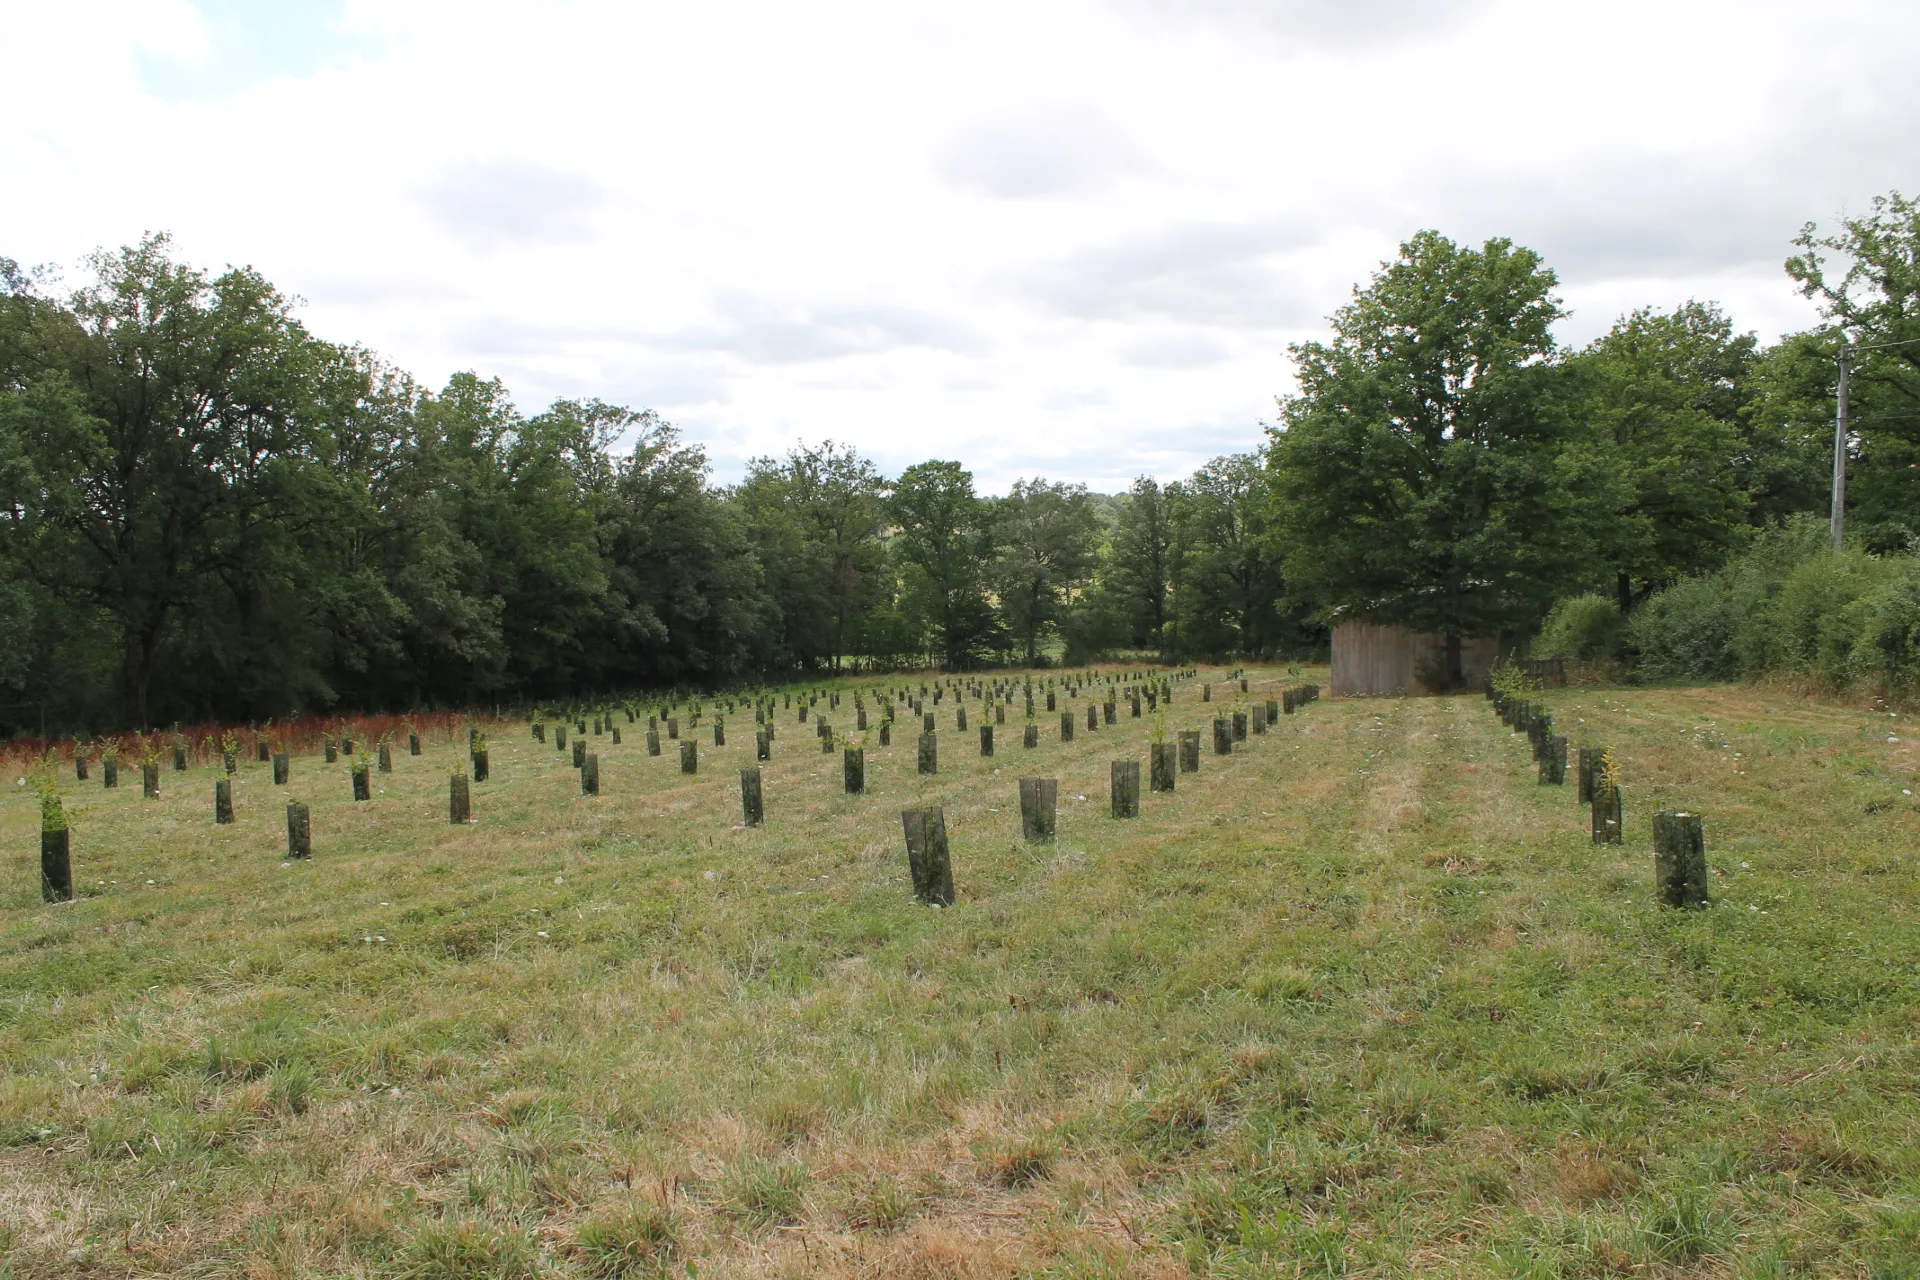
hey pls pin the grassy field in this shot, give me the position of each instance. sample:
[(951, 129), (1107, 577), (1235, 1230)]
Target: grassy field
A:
[(1361, 999)]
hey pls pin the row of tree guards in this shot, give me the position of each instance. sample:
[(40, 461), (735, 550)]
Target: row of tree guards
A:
[(1679, 837), (929, 861), (263, 751), (260, 741), (1148, 691)]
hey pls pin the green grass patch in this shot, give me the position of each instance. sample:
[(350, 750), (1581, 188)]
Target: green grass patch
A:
[(1361, 999)]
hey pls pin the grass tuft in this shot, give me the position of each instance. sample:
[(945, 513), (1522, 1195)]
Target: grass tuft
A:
[(628, 1239)]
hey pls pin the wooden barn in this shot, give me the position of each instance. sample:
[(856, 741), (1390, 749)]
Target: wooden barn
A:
[(1371, 660)]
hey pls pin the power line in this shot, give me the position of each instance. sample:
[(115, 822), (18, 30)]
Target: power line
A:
[(1880, 346)]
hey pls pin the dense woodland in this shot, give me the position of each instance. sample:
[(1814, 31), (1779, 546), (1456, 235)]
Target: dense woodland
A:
[(211, 512)]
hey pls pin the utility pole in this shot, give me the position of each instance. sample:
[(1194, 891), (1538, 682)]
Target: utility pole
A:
[(1840, 455)]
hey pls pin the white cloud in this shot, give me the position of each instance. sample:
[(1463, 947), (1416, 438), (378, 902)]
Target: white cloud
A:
[(503, 203), (1060, 236), (1043, 149)]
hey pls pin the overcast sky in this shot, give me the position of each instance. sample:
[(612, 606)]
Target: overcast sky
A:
[(1067, 239)]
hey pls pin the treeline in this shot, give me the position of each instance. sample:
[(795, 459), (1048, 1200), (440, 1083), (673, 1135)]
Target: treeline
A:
[(1448, 466), (208, 512), (211, 513)]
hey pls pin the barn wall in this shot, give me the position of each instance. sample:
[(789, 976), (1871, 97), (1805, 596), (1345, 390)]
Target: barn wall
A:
[(1371, 660)]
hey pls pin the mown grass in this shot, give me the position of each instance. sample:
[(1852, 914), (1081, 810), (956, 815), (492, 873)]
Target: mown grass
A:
[(1360, 1000)]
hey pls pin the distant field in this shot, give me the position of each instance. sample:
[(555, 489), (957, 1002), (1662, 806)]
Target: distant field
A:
[(1362, 999)]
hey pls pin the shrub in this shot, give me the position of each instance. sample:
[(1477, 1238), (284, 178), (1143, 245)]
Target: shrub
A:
[(1813, 624), (1586, 628), (1754, 583), (1687, 632), (1885, 628), (1724, 624)]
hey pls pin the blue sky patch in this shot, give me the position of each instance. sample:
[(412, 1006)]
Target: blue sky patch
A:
[(254, 41)]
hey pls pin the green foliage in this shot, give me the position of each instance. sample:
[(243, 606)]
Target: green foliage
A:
[(1865, 278), (1140, 574), (1791, 605), (1093, 627), (1432, 472), (214, 514), (1687, 632), (1583, 628), (811, 518), (46, 786), (944, 545), (1047, 534), (1227, 576), (1667, 395), (1812, 624), (1512, 679)]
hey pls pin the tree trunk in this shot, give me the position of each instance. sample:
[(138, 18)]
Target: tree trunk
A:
[(143, 648), (1456, 675)]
